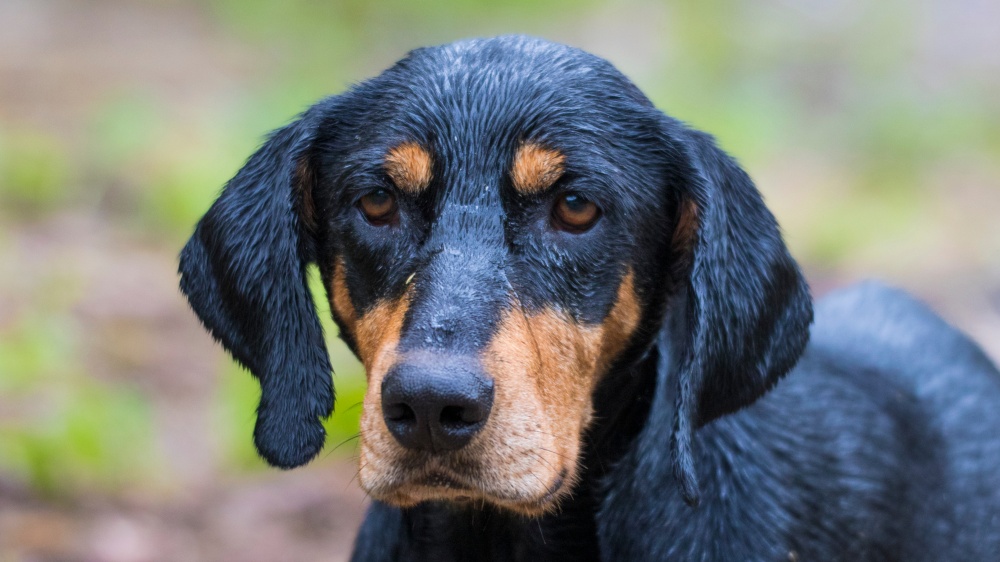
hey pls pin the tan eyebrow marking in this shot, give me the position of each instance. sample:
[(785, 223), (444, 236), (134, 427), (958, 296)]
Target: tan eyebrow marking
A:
[(536, 168), (409, 166)]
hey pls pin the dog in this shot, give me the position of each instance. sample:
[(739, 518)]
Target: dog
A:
[(583, 335)]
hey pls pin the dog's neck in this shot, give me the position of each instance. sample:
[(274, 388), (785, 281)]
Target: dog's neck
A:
[(446, 532)]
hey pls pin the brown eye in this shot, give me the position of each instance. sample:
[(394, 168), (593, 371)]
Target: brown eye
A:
[(379, 207), (574, 213)]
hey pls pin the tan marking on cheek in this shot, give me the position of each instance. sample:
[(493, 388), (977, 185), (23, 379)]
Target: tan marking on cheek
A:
[(409, 166), (340, 299), (536, 168), (376, 332), (621, 322), (574, 356), (546, 367), (521, 451), (377, 336)]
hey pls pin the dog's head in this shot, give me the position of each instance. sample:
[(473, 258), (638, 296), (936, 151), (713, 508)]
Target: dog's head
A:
[(499, 224)]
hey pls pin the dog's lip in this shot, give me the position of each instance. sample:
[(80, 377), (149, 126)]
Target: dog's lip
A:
[(545, 499), (442, 479), (554, 488), (460, 490), (541, 502)]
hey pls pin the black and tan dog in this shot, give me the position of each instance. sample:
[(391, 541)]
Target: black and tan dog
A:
[(574, 313)]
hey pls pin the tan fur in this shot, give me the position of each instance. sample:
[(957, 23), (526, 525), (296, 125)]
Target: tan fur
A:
[(303, 186), (684, 239), (409, 166), (545, 367), (340, 300), (377, 335), (687, 227), (536, 168), (376, 331)]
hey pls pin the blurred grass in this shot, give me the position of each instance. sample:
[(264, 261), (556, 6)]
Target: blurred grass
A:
[(80, 433), (766, 79), (34, 172)]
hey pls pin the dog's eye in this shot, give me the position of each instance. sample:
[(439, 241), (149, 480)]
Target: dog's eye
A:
[(574, 213), (379, 207)]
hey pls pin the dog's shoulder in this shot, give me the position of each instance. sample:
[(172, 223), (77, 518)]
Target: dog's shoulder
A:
[(886, 328)]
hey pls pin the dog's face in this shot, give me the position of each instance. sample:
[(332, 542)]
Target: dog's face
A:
[(499, 225), (485, 229)]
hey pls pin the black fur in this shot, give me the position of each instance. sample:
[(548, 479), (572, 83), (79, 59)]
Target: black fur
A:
[(880, 444), (243, 272)]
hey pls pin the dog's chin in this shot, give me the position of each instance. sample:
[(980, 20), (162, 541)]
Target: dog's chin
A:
[(446, 486)]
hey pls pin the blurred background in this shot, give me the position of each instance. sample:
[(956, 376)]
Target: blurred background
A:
[(872, 128)]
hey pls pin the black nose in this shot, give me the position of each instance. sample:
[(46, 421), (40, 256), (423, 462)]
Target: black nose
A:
[(435, 408)]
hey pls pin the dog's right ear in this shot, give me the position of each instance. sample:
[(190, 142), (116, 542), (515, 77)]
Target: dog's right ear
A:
[(244, 274)]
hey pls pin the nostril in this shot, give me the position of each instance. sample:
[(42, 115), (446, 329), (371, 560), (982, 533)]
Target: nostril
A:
[(399, 412), (456, 416), (461, 416)]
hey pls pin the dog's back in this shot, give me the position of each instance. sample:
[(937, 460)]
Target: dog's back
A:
[(957, 393)]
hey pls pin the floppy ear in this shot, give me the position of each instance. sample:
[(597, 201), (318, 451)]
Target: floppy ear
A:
[(244, 274), (744, 309)]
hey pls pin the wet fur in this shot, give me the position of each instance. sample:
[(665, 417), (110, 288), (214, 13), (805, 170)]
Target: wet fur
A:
[(664, 352)]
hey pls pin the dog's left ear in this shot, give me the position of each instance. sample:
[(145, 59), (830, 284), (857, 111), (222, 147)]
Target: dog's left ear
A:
[(745, 309), (244, 274)]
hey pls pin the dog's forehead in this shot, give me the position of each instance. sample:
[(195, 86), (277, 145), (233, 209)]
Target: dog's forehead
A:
[(493, 93), (504, 67)]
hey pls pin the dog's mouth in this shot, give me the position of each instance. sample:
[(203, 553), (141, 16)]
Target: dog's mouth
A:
[(447, 484), (442, 479)]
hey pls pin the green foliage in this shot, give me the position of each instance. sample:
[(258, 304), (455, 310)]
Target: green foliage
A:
[(122, 129), (179, 193), (81, 433), (872, 215), (34, 172), (234, 413)]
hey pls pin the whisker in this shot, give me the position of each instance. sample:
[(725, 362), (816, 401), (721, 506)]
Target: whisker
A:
[(351, 438), (535, 476), (560, 455), (541, 458), (540, 432), (357, 474)]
